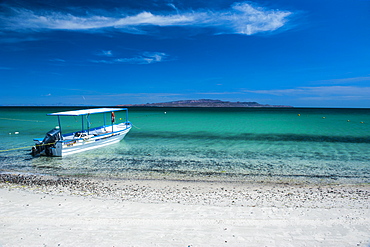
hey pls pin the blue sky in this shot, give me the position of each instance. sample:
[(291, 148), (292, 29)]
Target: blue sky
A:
[(307, 53)]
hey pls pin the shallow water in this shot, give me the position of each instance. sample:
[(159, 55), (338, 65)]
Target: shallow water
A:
[(253, 144)]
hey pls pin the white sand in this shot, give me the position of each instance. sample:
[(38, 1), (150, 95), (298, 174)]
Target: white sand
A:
[(30, 217)]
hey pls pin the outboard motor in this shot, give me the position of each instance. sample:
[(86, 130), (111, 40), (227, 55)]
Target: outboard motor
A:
[(52, 136), (49, 142)]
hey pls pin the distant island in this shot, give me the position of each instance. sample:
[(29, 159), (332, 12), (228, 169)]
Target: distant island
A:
[(203, 103)]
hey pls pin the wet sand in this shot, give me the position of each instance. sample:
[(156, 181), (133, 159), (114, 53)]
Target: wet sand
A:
[(55, 211)]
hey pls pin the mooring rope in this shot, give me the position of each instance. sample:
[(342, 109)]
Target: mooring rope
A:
[(11, 149), (21, 119)]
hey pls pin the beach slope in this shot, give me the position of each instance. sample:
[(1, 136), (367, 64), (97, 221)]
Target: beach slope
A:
[(179, 213)]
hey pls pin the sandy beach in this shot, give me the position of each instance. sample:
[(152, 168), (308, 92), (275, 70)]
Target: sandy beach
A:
[(54, 211)]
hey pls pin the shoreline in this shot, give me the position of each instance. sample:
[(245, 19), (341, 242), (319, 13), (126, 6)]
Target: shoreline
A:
[(48, 210), (209, 177), (219, 193)]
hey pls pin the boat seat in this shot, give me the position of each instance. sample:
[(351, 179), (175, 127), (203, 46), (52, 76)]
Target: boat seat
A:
[(80, 134)]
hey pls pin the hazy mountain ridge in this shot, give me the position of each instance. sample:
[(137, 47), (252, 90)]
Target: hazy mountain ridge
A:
[(205, 103)]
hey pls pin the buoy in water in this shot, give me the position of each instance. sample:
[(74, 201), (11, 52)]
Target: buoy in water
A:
[(348, 120), (361, 122), (16, 133), (299, 115), (323, 117), (165, 112)]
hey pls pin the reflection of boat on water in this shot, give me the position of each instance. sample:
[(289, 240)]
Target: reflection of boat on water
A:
[(57, 144)]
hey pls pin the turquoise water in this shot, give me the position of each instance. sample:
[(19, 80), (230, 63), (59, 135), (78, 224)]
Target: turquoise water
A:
[(246, 144)]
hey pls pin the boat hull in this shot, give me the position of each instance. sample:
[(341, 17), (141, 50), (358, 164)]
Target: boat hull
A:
[(67, 147), (93, 143)]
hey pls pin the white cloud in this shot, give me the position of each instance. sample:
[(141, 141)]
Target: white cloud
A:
[(47, 95), (105, 53), (325, 92), (153, 57), (135, 98), (277, 92), (219, 93), (241, 18), (145, 58), (346, 80), (246, 19)]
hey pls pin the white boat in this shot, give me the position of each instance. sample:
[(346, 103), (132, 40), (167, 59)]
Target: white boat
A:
[(57, 144)]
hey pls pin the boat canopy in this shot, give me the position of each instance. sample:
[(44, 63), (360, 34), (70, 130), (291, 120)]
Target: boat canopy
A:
[(86, 111)]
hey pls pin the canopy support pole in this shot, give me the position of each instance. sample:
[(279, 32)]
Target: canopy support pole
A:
[(82, 117), (60, 127)]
